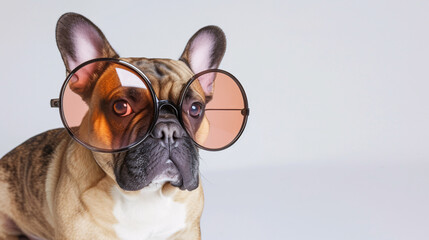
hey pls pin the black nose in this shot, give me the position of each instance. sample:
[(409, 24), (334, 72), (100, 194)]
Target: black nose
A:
[(167, 128), (168, 132)]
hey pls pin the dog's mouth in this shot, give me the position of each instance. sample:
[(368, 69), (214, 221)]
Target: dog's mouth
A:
[(152, 164), (177, 175), (168, 173)]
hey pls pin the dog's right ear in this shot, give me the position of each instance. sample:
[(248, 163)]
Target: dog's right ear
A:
[(79, 40)]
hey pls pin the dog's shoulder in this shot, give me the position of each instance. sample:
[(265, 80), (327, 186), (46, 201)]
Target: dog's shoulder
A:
[(26, 165), (39, 146)]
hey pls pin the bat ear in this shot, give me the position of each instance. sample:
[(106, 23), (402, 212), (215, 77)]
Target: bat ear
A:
[(204, 51), (79, 40)]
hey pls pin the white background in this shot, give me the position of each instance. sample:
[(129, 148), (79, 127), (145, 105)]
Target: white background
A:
[(337, 141)]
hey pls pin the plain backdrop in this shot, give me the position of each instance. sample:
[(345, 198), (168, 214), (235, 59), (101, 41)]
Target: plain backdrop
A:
[(336, 145)]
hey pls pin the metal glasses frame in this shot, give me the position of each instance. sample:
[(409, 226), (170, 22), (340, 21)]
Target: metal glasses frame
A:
[(158, 104), (244, 111)]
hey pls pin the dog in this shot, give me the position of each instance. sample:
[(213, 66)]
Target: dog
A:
[(52, 187)]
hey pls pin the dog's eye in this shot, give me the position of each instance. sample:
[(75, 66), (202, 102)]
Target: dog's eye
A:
[(195, 110), (122, 108)]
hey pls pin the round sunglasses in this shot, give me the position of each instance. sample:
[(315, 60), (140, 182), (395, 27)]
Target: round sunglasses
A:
[(109, 105)]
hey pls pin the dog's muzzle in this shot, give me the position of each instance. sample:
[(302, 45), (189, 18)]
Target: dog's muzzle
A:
[(167, 155)]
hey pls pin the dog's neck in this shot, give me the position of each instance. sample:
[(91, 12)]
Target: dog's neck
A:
[(153, 207), (83, 166)]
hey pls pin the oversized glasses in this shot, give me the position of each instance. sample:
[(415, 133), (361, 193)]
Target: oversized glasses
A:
[(109, 105)]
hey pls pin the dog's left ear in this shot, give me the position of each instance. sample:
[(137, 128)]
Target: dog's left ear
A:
[(204, 51)]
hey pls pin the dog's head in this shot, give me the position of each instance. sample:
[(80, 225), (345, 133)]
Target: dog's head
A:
[(167, 154)]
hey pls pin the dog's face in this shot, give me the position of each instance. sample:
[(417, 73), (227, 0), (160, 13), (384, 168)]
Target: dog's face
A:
[(168, 154)]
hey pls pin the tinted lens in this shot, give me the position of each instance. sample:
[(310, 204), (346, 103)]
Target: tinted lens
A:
[(214, 109), (107, 106)]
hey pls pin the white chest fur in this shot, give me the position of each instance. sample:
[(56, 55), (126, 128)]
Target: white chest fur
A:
[(147, 214)]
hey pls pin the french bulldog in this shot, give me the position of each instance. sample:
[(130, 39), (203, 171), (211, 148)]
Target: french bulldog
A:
[(52, 187)]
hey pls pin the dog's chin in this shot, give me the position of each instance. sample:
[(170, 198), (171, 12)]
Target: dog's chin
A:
[(169, 174)]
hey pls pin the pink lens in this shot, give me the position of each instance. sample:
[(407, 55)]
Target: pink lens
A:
[(107, 106), (224, 110)]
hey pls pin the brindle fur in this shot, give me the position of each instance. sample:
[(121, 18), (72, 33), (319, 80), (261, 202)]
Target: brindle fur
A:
[(51, 187), (53, 163)]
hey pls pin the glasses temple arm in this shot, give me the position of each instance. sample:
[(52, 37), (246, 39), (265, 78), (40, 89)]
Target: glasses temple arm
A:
[(244, 111), (55, 103)]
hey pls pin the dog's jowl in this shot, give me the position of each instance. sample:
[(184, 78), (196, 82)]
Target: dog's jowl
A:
[(126, 165)]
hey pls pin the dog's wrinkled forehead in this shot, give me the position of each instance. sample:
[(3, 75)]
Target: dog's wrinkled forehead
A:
[(167, 77)]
